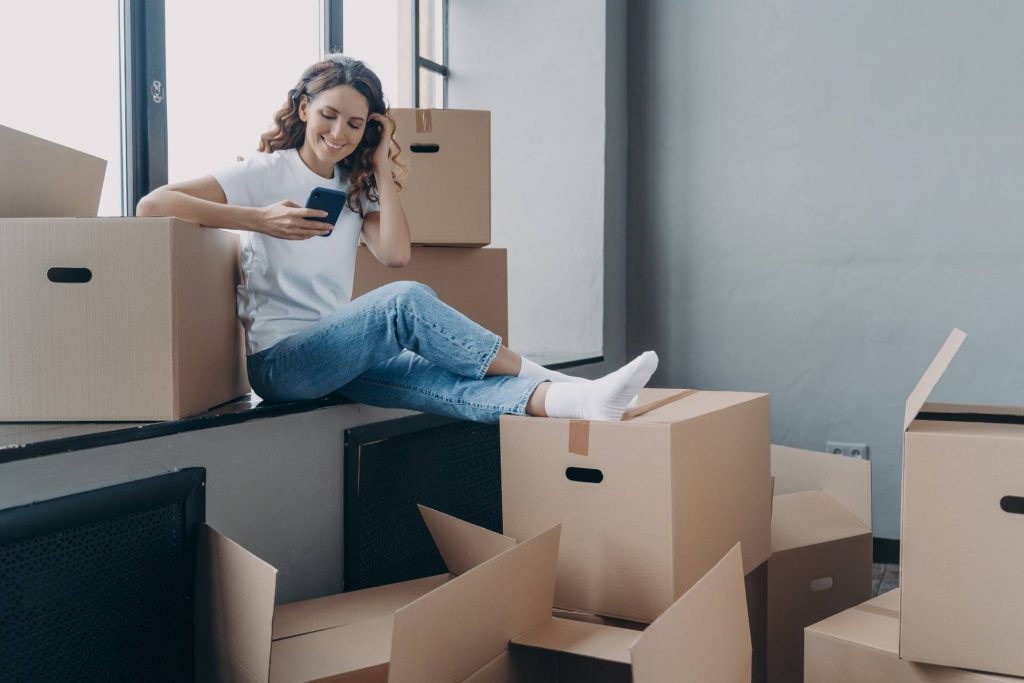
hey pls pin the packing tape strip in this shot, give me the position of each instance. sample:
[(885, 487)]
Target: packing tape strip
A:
[(579, 430), (424, 121)]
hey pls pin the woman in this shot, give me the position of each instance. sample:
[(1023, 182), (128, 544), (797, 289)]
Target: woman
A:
[(397, 346)]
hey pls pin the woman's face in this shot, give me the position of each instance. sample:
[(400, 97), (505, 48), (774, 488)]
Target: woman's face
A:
[(335, 121)]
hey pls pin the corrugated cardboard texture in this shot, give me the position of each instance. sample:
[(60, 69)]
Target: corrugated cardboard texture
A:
[(704, 636), (961, 553), (472, 281), (42, 179), (477, 614), (447, 194), (810, 517), (152, 336), (860, 644), (848, 480), (234, 611), (678, 484)]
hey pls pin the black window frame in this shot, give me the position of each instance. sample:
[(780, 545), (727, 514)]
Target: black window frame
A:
[(419, 61)]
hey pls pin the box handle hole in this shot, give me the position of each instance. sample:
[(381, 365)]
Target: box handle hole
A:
[(69, 275), (821, 584), (424, 148), (1012, 504), (587, 475)]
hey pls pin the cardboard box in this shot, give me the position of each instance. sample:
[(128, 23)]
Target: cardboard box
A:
[(860, 645), (703, 636), (473, 281), (39, 178), (821, 549), (493, 623), (122, 319), (648, 504), (447, 193), (962, 538)]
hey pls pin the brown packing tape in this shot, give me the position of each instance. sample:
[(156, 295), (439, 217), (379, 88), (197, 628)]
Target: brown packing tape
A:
[(579, 437), (579, 430), (424, 121)]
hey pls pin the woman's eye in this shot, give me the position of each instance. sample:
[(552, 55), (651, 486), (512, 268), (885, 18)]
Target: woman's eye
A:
[(354, 126), (331, 118)]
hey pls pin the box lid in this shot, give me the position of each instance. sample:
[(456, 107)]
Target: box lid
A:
[(932, 376), (874, 624), (676, 405), (363, 647), (848, 480), (811, 517)]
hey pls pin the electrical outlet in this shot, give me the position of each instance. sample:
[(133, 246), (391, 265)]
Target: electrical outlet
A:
[(850, 450)]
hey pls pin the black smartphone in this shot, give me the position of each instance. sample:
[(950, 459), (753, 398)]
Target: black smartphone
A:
[(326, 199)]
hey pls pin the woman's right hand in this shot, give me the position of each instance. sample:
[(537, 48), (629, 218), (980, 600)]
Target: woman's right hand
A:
[(288, 221)]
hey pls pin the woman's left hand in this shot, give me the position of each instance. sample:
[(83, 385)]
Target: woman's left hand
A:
[(382, 155)]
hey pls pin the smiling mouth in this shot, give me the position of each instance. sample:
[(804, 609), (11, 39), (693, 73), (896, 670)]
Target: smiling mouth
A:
[(333, 148)]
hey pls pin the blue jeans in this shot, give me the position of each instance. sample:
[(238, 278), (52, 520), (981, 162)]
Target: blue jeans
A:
[(398, 346)]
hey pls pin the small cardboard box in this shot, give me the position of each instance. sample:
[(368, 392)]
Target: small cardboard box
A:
[(39, 178), (447, 193), (821, 549), (703, 636), (472, 281), (117, 319), (861, 644), (648, 504), (962, 537)]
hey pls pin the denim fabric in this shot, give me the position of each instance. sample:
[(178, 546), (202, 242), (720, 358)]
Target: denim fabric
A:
[(398, 346)]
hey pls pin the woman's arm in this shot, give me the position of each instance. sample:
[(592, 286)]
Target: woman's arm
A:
[(386, 232), (202, 201)]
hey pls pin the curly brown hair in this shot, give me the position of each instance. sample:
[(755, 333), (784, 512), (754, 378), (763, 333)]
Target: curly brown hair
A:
[(289, 131)]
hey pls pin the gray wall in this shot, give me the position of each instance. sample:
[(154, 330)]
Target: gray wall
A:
[(818, 192)]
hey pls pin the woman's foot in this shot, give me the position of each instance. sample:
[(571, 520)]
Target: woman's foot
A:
[(606, 398)]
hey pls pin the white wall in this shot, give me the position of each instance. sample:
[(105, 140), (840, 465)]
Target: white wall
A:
[(539, 67)]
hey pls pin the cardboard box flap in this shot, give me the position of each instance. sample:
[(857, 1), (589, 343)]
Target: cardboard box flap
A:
[(324, 655), (676, 405), (608, 643), (453, 631), (346, 608), (463, 545), (848, 480), (932, 375), (235, 592), (705, 633), (810, 517)]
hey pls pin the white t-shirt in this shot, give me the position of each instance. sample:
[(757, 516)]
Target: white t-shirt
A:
[(288, 285)]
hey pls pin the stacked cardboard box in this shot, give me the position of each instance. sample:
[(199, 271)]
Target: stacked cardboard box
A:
[(108, 318), (447, 201), (821, 548), (490, 624)]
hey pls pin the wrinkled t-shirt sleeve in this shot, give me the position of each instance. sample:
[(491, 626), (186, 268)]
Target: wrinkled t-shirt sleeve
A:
[(367, 205), (244, 182)]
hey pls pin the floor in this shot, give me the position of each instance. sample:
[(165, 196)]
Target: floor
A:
[(884, 577)]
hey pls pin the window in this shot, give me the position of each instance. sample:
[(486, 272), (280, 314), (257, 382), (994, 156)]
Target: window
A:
[(430, 46), (61, 80)]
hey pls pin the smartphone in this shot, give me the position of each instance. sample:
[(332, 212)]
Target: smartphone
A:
[(326, 199)]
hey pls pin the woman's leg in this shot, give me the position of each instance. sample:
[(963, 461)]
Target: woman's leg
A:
[(368, 332), (411, 381)]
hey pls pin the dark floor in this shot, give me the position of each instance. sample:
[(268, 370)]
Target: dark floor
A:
[(884, 577)]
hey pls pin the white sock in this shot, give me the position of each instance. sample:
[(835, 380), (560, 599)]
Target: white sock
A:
[(533, 370), (602, 399)]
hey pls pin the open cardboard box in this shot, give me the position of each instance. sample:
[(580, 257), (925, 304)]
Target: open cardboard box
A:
[(489, 620), (647, 505), (962, 538), (861, 643), (821, 548)]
